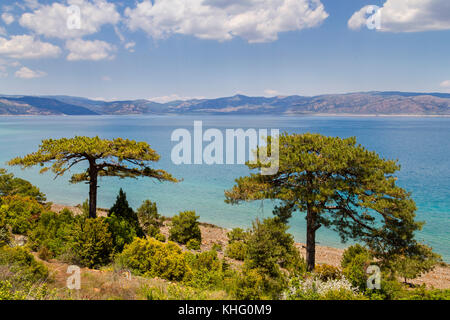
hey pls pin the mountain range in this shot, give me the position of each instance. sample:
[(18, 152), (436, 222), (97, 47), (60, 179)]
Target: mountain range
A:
[(361, 103)]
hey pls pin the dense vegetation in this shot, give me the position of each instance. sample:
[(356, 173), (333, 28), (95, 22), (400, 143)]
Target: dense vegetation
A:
[(261, 262)]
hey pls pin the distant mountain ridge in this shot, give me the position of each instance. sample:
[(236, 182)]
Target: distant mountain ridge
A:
[(360, 103)]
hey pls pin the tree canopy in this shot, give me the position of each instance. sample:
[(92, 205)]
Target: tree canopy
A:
[(119, 157), (339, 185)]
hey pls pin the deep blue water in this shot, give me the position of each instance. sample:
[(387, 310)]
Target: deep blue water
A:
[(420, 144)]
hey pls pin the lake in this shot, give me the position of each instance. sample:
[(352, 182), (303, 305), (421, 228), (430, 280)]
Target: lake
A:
[(420, 144)]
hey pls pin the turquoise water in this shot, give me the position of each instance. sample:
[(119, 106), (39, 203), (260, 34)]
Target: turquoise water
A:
[(420, 144)]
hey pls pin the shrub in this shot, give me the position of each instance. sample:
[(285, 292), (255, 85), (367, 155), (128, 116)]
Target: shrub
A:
[(216, 247), (185, 226), (236, 250), (53, 233), (121, 209), (27, 291), (193, 244), (122, 232), (237, 234), (326, 272), (152, 258), (11, 186), (160, 237), (20, 212), (207, 270), (255, 284), (355, 261), (423, 293), (174, 291), (269, 247), (8, 293), (149, 218), (22, 264), (92, 242), (351, 252)]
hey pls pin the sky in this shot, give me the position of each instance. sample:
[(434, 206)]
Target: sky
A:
[(179, 49)]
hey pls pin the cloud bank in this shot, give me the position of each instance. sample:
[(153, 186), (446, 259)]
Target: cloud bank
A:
[(408, 16), (252, 20)]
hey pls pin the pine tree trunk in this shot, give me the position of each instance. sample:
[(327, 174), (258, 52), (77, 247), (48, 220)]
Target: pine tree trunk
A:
[(93, 193), (311, 241)]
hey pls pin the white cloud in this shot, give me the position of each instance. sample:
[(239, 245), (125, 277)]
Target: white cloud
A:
[(52, 20), (408, 16), (8, 18), (89, 50), (445, 84), (172, 97), (26, 73), (3, 31), (27, 47), (130, 46), (252, 20)]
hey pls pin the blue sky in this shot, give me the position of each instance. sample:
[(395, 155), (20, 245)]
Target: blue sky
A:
[(210, 48)]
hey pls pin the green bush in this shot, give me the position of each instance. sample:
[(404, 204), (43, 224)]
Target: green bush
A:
[(207, 270), (53, 233), (92, 242), (351, 252), (11, 186), (185, 227), (216, 247), (193, 244), (256, 284), (22, 264), (151, 258), (122, 232), (149, 218), (236, 250), (20, 212), (160, 237), (237, 234), (354, 263), (269, 247), (26, 291), (423, 293)]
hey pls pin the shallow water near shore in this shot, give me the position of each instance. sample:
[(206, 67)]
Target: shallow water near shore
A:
[(420, 144)]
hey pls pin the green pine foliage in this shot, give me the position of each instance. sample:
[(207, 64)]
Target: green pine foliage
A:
[(185, 227), (149, 219), (11, 186), (92, 242), (20, 213), (53, 233), (122, 232)]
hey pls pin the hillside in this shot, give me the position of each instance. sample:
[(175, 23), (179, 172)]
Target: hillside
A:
[(364, 103)]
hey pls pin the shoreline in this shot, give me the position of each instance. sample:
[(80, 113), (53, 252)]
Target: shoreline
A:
[(293, 115), (213, 234)]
